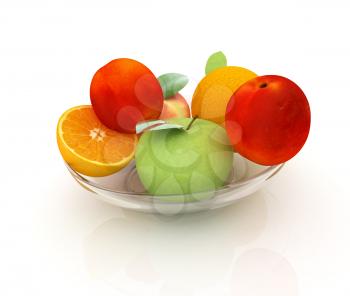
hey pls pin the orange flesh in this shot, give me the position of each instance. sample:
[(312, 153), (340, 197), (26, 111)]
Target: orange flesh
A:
[(86, 136)]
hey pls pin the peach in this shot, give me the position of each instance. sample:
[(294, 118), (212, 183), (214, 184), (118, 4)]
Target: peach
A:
[(125, 92), (268, 119)]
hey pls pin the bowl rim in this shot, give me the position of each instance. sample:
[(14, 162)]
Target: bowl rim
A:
[(270, 171)]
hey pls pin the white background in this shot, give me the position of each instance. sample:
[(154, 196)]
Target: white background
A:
[(291, 238)]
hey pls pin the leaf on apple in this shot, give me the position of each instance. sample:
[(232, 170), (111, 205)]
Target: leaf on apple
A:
[(172, 83), (215, 61), (155, 125)]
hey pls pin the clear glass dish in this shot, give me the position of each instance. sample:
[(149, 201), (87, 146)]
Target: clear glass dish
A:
[(125, 190)]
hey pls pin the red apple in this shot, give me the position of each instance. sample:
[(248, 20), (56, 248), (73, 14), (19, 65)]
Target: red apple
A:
[(268, 119), (175, 107), (124, 92)]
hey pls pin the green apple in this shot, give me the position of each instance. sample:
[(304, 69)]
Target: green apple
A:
[(191, 162)]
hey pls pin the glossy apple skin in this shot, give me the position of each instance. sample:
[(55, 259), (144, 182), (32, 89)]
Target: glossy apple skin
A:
[(190, 164), (268, 119), (124, 92), (175, 107)]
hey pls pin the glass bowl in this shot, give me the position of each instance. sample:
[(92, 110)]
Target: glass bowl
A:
[(125, 190)]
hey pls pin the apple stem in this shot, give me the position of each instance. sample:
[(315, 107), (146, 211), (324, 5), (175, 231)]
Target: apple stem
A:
[(190, 124)]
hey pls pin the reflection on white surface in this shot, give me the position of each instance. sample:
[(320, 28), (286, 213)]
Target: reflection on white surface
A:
[(265, 273), (173, 255)]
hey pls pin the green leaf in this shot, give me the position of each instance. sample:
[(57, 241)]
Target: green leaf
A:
[(167, 126), (172, 83), (215, 61), (155, 125)]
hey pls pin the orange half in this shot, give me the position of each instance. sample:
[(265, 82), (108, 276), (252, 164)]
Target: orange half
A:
[(91, 148)]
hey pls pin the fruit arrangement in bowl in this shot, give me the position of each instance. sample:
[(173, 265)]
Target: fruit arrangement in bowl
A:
[(137, 145)]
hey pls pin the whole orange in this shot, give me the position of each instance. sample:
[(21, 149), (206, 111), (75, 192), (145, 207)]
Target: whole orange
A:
[(125, 92), (213, 92)]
